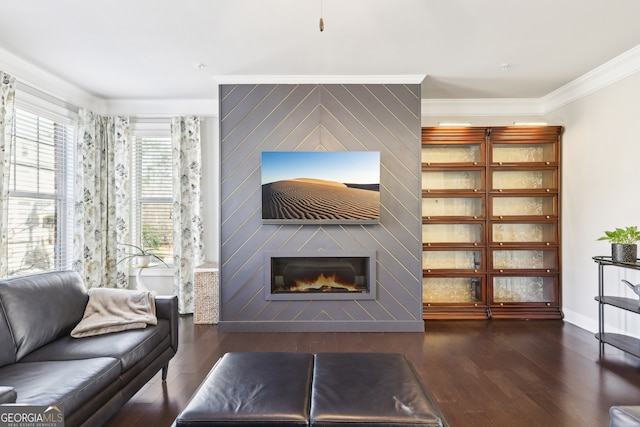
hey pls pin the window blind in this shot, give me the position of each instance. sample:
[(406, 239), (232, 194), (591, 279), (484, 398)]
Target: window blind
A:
[(39, 233), (153, 201)]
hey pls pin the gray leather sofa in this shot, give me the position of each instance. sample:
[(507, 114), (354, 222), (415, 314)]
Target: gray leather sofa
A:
[(90, 378)]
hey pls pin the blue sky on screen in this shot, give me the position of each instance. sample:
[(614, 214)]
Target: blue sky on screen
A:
[(350, 167)]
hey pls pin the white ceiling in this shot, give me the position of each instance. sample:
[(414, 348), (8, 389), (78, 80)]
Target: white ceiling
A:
[(149, 49)]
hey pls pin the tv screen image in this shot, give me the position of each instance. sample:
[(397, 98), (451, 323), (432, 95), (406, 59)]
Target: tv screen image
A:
[(306, 187)]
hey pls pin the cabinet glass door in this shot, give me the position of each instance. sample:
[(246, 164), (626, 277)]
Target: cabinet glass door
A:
[(523, 153), (434, 154), (452, 289), (542, 179), (524, 259), (447, 207), (514, 233), (452, 233), (452, 260), (446, 180), (519, 206), (524, 289)]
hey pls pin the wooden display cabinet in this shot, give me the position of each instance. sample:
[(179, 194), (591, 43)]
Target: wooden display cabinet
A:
[(454, 218), (491, 222)]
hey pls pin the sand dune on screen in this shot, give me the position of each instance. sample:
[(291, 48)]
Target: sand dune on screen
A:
[(314, 199)]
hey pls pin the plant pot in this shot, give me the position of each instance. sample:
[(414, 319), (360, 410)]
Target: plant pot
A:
[(624, 253), (142, 260)]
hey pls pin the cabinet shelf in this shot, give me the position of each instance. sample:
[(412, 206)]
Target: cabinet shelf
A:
[(628, 304), (623, 342), (606, 260)]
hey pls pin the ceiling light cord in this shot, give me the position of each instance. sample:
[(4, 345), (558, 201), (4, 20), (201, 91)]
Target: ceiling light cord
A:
[(321, 19)]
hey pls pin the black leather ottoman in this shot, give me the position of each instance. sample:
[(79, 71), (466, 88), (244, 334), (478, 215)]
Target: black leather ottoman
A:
[(369, 389), (253, 389), (322, 390)]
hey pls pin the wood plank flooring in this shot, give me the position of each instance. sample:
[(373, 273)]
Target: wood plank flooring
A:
[(482, 373)]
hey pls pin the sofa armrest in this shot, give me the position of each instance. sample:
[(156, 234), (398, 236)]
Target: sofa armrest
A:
[(8, 395), (167, 308)]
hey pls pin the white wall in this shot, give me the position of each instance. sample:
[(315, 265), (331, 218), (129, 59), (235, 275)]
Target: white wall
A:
[(601, 150)]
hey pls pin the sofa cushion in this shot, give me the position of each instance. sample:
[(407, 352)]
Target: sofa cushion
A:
[(369, 389), (67, 384), (8, 347), (8, 395), (252, 389), (128, 347), (42, 307)]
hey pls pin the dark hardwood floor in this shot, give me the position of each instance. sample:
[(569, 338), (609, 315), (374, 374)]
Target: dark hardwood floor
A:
[(482, 373)]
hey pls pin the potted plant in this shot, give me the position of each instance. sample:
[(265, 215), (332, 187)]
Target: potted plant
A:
[(624, 246), (142, 256)]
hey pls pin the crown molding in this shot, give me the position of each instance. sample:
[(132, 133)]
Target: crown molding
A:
[(210, 107), (161, 108), (321, 79), (620, 67), (38, 80)]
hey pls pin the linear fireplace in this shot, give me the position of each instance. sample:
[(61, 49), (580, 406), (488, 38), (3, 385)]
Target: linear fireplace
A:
[(330, 275)]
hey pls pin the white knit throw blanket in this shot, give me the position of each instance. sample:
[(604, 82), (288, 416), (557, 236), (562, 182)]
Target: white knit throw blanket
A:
[(112, 310)]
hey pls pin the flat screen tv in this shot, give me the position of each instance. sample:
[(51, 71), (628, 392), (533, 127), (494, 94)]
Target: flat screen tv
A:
[(320, 187)]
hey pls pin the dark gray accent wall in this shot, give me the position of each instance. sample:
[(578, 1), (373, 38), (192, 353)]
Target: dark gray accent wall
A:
[(289, 117)]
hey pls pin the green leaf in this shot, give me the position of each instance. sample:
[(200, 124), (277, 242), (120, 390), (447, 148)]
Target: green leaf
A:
[(627, 235)]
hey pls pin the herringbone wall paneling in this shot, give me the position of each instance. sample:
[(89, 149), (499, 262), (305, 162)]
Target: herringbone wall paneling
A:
[(377, 117)]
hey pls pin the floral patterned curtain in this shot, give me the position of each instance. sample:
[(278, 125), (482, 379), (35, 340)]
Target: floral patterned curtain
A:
[(102, 193), (7, 96), (188, 247)]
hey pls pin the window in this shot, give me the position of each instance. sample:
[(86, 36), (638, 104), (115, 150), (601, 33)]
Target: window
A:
[(39, 232), (153, 199)]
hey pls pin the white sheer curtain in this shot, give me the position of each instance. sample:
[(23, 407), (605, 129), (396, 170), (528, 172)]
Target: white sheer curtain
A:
[(188, 247), (102, 193), (7, 96)]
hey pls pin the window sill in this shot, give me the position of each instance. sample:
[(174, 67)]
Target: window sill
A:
[(155, 271)]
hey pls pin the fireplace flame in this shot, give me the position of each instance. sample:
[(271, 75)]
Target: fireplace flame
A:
[(324, 283)]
